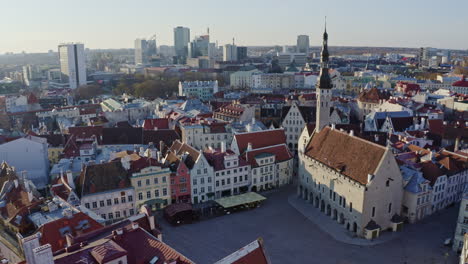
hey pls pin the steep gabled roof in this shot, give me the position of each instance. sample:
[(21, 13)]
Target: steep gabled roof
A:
[(351, 156), (86, 132), (281, 153), (102, 177), (260, 139), (177, 151), (373, 95), (168, 136), (122, 135), (308, 113)]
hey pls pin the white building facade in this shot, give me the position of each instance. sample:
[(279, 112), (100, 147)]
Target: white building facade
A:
[(72, 64)]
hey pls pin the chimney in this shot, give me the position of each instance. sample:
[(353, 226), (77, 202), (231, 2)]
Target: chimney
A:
[(70, 240), (117, 233), (67, 213), (333, 126), (457, 144), (369, 178), (249, 146), (223, 146), (158, 156), (135, 225), (16, 183), (351, 133), (70, 181), (161, 146), (30, 194), (142, 151)]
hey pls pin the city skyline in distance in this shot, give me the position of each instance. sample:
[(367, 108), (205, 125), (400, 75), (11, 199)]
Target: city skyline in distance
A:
[(116, 24)]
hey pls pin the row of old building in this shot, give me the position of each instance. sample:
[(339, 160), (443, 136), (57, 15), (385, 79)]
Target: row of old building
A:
[(59, 229)]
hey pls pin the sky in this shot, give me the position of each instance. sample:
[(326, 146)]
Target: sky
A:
[(40, 25)]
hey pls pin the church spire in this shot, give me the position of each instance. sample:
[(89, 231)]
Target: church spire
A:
[(324, 78)]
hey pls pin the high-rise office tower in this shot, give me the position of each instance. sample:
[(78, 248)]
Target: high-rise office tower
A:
[(230, 52), (181, 41), (144, 50), (72, 64), (199, 46), (303, 44), (241, 53), (141, 47)]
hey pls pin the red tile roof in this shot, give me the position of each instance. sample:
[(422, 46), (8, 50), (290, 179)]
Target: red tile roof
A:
[(260, 139), (252, 253), (448, 131), (79, 223), (216, 158), (61, 191), (159, 123), (351, 156), (461, 83), (140, 246), (431, 172), (86, 132), (281, 153), (373, 95)]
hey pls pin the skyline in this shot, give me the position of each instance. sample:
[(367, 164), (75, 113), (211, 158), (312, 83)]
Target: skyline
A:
[(106, 24)]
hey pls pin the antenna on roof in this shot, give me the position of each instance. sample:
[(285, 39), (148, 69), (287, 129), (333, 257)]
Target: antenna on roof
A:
[(232, 41)]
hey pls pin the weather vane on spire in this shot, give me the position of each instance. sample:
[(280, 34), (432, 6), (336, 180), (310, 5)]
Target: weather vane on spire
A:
[(325, 23)]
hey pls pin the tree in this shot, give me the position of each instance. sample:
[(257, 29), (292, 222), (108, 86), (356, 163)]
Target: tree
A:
[(88, 92), (461, 70)]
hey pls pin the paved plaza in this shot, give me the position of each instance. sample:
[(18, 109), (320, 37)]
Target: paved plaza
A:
[(290, 237)]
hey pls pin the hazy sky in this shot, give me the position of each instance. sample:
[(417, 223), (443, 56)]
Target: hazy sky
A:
[(40, 25)]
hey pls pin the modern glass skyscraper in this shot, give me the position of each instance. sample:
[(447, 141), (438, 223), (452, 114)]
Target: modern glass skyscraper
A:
[(72, 64), (181, 41), (145, 50), (303, 44)]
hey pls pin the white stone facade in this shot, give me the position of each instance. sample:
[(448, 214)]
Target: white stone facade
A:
[(111, 205)]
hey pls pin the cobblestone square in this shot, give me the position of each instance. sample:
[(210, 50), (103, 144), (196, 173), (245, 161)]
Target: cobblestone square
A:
[(290, 237)]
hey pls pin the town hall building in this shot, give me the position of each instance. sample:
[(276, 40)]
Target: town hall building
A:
[(356, 182)]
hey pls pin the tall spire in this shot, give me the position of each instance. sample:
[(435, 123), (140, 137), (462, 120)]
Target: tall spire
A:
[(325, 54), (324, 78)]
